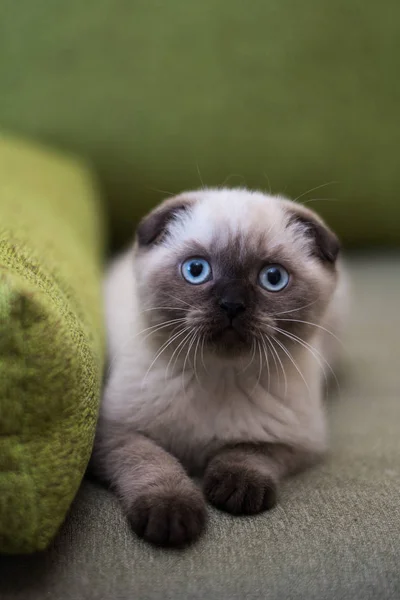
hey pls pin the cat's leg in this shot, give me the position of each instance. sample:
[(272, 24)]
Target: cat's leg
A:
[(243, 479), (163, 504)]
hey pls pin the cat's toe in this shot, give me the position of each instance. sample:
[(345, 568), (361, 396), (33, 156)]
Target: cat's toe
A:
[(168, 518), (238, 490)]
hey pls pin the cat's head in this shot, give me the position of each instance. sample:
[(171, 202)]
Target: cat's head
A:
[(229, 269)]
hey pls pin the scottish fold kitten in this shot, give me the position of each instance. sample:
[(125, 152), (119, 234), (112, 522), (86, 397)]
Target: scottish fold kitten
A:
[(221, 320)]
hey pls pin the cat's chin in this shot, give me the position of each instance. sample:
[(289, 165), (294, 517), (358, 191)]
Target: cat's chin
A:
[(229, 343)]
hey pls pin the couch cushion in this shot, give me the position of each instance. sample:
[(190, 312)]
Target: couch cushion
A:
[(283, 93), (51, 339), (335, 534)]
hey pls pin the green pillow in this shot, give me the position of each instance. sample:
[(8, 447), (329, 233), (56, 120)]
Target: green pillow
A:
[(288, 93), (51, 339)]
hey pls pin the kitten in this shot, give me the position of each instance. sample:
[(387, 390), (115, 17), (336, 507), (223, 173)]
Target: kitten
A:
[(217, 324)]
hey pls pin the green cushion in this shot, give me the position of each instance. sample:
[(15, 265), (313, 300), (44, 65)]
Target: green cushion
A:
[(297, 93), (51, 339)]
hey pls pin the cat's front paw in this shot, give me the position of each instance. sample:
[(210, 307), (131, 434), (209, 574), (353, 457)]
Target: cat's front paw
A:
[(239, 489), (168, 517)]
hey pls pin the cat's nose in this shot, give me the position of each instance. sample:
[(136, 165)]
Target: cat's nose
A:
[(232, 309)]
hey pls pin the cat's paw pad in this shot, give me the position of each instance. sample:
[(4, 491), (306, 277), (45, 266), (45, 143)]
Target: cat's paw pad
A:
[(238, 489), (169, 518)]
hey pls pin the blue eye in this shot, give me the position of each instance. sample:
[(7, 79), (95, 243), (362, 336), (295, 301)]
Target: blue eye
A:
[(196, 270), (273, 278)]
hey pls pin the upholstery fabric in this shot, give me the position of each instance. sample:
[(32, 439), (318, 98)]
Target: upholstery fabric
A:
[(51, 338)]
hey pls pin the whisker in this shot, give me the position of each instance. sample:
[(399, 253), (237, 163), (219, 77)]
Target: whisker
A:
[(260, 369), (181, 347), (184, 302), (224, 183), (305, 345), (269, 183), (271, 340), (158, 327), (164, 346), (286, 312), (321, 200), (192, 341), (190, 344), (188, 329), (316, 353), (318, 187), (152, 329), (195, 359), (200, 177), (160, 308), (267, 361), (315, 325), (274, 359), (253, 348), (160, 191), (202, 352), (286, 351)]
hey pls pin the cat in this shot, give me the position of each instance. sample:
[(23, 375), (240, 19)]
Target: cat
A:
[(221, 320)]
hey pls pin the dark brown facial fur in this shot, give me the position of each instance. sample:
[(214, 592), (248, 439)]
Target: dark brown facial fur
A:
[(236, 283)]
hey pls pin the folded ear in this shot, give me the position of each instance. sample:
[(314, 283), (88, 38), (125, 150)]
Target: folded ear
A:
[(153, 227), (325, 243)]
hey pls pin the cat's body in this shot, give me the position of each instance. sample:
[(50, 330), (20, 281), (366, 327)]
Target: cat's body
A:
[(227, 396), (193, 416)]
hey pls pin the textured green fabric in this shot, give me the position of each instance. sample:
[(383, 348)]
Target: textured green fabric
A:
[(297, 92), (51, 339), (334, 536)]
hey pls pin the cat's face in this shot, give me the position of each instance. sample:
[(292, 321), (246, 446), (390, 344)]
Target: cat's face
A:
[(230, 270)]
